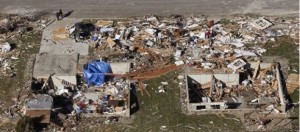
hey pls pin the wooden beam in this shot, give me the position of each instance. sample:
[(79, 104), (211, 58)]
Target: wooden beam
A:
[(142, 87), (256, 70), (211, 84), (275, 85)]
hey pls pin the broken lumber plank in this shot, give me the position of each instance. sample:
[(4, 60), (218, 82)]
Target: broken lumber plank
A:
[(211, 85), (153, 73), (292, 82), (142, 87), (256, 70), (275, 85), (206, 85)]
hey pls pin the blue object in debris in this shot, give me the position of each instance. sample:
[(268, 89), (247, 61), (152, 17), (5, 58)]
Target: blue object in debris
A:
[(94, 72), (95, 37)]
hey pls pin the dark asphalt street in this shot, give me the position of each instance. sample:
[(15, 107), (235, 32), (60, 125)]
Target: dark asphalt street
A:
[(127, 8)]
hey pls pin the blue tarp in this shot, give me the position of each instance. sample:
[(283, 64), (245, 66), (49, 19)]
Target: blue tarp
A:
[(94, 72)]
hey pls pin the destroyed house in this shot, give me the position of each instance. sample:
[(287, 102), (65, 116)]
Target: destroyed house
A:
[(199, 99), (106, 93), (217, 91)]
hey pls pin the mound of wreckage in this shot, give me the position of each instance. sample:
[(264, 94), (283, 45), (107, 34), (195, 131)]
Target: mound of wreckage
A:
[(222, 72), (256, 86)]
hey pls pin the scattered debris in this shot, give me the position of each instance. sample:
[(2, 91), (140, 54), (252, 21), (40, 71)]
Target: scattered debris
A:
[(6, 47), (222, 71), (164, 83)]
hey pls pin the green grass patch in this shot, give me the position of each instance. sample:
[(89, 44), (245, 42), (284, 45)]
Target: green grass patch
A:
[(284, 47), (295, 123), (226, 22), (87, 21), (295, 112), (28, 44), (295, 96)]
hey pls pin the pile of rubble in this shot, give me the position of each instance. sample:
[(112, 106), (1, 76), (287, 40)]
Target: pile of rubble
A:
[(194, 41), (109, 99), (12, 26)]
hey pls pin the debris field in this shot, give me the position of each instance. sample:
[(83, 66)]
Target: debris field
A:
[(222, 61)]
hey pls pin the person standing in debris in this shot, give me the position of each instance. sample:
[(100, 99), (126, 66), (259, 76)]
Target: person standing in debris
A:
[(61, 14)]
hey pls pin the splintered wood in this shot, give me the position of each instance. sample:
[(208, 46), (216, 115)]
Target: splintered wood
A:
[(206, 85), (142, 88), (60, 34), (110, 41), (292, 83), (256, 70), (150, 52), (101, 23), (153, 73)]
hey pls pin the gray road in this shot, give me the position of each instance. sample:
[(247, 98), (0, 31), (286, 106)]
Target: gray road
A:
[(125, 8)]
